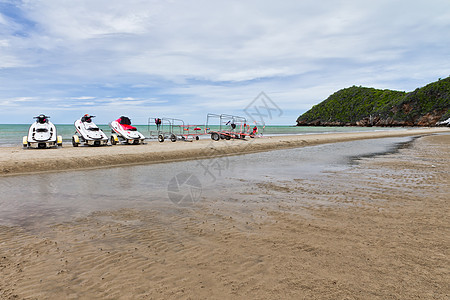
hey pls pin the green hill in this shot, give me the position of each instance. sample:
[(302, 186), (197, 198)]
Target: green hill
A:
[(361, 106)]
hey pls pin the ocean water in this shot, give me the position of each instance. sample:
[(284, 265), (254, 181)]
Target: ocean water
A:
[(41, 199), (11, 134)]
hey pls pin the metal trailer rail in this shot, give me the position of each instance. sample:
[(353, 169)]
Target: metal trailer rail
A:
[(173, 129), (162, 131), (230, 127), (192, 132), (186, 133)]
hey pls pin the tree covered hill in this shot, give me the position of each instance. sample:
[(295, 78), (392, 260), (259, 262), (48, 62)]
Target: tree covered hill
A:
[(361, 106)]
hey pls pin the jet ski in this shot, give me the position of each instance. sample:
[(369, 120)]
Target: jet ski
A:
[(88, 133), (124, 133), (42, 134)]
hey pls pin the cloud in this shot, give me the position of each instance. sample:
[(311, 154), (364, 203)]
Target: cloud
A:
[(189, 57)]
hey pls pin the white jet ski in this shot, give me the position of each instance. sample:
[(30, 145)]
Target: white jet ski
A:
[(88, 133), (42, 134), (124, 133)]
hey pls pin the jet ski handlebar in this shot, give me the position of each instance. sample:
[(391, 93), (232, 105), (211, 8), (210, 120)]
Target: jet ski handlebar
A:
[(42, 116)]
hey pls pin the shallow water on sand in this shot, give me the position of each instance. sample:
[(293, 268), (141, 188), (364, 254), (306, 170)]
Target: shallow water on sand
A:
[(42, 199)]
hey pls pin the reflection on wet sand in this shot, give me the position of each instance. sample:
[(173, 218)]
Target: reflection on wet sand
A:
[(375, 229)]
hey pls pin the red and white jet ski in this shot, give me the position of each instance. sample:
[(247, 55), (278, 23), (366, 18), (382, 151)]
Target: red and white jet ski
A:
[(124, 133), (88, 133)]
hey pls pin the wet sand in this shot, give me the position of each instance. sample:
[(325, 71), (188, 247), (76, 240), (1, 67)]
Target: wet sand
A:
[(378, 230), (15, 160)]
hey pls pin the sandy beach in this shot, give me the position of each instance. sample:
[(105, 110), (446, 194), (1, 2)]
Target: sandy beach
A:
[(378, 230), (15, 160)]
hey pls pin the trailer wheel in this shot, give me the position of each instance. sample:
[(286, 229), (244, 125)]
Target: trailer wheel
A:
[(227, 137), (113, 140), (173, 138), (74, 141), (242, 137), (215, 136), (160, 138), (197, 138), (59, 141)]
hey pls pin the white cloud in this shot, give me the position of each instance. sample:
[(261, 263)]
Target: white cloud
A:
[(78, 20), (200, 54)]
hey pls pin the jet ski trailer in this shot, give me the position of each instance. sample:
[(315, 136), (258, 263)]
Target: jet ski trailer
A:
[(124, 133), (42, 134), (173, 129), (226, 127), (88, 133)]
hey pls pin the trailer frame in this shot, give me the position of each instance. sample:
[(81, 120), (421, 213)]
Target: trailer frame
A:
[(230, 127), (174, 129)]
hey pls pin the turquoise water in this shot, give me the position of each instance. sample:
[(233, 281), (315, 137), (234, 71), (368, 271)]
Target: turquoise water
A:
[(11, 134)]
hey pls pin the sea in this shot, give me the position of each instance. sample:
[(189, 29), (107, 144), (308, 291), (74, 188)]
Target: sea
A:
[(11, 134)]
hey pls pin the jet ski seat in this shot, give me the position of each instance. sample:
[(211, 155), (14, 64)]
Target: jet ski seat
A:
[(86, 118), (125, 122)]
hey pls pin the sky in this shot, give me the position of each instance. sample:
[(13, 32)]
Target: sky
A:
[(271, 60)]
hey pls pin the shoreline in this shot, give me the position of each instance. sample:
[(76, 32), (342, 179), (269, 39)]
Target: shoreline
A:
[(18, 161)]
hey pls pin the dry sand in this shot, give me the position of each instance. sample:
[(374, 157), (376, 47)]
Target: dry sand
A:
[(376, 231), (15, 160)]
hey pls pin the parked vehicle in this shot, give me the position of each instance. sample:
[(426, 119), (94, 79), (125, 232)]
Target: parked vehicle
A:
[(124, 133), (88, 133), (42, 134)]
